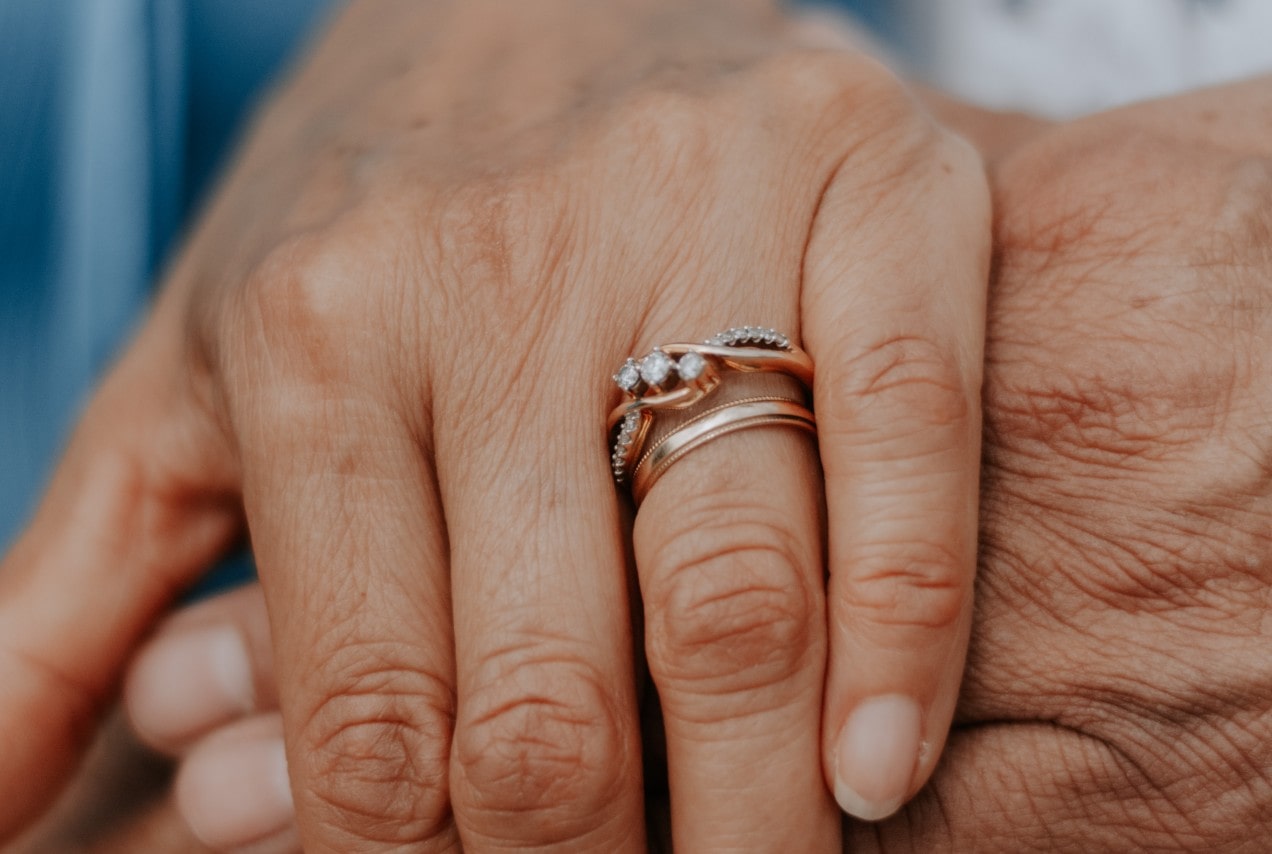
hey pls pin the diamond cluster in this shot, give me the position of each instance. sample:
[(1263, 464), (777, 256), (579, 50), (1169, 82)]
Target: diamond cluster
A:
[(623, 444), (743, 335), (656, 370)]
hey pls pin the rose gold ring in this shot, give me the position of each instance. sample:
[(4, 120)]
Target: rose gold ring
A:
[(680, 376), (712, 424)]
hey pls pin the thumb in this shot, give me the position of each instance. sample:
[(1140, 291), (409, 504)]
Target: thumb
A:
[(142, 501)]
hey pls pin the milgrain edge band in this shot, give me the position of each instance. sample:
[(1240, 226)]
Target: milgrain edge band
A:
[(680, 376), (713, 424)]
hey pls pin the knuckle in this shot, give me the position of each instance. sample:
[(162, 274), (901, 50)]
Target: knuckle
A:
[(666, 121), (903, 385), (922, 586), (297, 312), (670, 142), (728, 606), (831, 78), (540, 750), (506, 238), (1239, 236), (851, 97), (373, 756)]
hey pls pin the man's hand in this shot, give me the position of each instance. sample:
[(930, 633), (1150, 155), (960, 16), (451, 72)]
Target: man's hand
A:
[(1119, 691)]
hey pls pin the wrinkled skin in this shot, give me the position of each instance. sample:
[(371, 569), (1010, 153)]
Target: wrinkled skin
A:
[(1118, 689), (385, 355), (1119, 686)]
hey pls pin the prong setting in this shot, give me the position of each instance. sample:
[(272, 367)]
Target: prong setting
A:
[(683, 377)]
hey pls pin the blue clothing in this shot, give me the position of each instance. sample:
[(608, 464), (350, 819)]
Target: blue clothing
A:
[(114, 114), (113, 117)]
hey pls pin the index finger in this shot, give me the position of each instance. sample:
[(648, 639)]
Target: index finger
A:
[(142, 501)]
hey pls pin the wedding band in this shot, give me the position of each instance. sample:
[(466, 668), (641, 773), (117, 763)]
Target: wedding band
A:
[(712, 424), (680, 376)]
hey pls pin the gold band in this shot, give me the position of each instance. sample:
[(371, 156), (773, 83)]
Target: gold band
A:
[(712, 424), (675, 381)]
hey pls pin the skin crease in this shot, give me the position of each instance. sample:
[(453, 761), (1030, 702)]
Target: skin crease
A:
[(438, 242), (1119, 691), (1118, 688)]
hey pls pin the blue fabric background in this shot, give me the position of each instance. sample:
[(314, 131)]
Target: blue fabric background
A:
[(114, 117)]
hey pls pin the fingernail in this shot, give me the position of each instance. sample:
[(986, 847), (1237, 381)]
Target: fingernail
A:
[(876, 756), (233, 794), (188, 682)]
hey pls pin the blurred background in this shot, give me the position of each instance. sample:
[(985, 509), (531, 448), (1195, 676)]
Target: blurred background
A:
[(115, 116)]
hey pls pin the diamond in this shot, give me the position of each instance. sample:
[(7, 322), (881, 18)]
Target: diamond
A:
[(628, 376), (655, 368), (691, 366)]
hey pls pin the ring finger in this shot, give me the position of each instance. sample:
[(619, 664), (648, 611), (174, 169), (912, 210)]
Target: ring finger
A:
[(728, 552)]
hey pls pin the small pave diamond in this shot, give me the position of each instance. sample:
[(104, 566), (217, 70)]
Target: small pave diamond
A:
[(628, 376), (655, 368), (762, 336), (691, 366), (623, 445)]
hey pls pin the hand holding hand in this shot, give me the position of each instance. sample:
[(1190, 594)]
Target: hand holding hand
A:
[(1119, 687), (388, 347)]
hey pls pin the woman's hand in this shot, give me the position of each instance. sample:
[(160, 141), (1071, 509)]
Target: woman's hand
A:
[(388, 349)]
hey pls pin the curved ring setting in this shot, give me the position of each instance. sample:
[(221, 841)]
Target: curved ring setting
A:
[(681, 375)]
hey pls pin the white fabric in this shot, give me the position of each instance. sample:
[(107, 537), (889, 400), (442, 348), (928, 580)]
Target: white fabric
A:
[(1066, 57)]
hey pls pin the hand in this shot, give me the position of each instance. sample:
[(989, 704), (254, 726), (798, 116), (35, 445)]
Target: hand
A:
[(1119, 687), (117, 803), (388, 348)]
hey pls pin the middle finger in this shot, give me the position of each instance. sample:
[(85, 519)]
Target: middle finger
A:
[(728, 552), (546, 750)]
